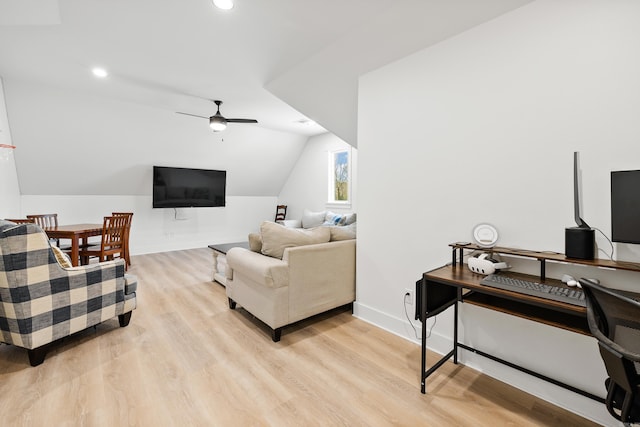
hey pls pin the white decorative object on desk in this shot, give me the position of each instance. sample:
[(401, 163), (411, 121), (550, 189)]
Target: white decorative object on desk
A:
[(485, 235)]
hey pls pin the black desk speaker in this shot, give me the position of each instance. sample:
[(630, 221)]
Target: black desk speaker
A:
[(579, 242)]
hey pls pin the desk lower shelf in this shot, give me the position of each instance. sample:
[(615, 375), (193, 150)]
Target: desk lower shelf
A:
[(571, 322)]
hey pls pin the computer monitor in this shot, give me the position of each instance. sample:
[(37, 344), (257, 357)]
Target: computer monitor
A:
[(579, 242), (625, 206)]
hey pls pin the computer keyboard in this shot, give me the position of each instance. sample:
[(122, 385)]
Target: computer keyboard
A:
[(573, 296)]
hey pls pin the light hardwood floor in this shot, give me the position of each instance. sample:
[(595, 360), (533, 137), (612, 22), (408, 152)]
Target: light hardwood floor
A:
[(186, 359)]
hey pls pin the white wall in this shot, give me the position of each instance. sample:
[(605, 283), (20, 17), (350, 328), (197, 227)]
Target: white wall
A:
[(159, 230), (82, 167), (481, 128), (307, 185), (9, 189), (104, 146)]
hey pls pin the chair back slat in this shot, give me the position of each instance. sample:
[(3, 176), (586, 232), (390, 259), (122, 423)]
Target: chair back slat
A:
[(129, 216), (113, 231), (45, 220)]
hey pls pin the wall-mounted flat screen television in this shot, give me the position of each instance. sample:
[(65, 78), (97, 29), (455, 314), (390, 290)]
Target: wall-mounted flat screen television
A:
[(625, 206), (187, 188)]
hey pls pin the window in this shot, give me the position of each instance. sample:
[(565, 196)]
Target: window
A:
[(340, 177)]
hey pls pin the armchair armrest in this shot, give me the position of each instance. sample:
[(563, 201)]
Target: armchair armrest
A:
[(266, 270)]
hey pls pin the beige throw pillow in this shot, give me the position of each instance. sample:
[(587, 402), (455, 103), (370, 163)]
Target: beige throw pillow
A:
[(255, 242), (62, 258), (276, 238)]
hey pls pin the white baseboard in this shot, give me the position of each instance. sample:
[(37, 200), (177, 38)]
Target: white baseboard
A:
[(401, 327)]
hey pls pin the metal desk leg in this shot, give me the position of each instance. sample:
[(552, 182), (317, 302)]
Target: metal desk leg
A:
[(453, 353), (455, 328), (423, 318)]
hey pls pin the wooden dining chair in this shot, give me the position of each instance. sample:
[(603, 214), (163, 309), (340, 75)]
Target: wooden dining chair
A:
[(129, 216), (46, 221), (112, 242), (281, 212), (21, 220)]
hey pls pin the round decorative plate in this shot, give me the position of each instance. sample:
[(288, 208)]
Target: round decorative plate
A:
[(485, 235)]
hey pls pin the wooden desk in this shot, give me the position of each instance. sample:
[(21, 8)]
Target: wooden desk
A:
[(74, 232), (447, 286)]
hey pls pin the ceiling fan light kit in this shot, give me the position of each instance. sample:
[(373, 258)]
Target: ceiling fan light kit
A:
[(218, 122)]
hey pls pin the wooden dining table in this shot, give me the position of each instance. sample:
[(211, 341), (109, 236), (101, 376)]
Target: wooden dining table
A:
[(76, 233)]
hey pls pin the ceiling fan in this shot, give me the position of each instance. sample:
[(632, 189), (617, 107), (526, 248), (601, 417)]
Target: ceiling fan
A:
[(218, 122)]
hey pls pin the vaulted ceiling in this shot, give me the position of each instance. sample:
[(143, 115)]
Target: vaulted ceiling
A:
[(281, 62)]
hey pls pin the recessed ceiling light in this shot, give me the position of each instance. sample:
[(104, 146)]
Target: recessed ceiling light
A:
[(100, 72), (223, 4)]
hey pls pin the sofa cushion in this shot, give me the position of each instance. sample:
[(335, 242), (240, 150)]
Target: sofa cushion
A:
[(346, 232), (313, 219), (255, 242), (276, 238)]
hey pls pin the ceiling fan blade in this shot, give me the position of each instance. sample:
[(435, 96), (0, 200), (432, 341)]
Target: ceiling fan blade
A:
[(242, 121), (194, 115)]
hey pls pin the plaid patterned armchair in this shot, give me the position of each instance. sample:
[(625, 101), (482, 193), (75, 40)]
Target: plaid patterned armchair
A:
[(41, 301)]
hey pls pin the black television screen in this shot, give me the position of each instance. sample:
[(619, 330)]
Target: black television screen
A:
[(186, 188), (625, 206)]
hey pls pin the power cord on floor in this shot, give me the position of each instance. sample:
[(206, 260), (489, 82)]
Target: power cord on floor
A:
[(415, 331)]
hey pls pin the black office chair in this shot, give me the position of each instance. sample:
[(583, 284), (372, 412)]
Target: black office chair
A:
[(614, 319)]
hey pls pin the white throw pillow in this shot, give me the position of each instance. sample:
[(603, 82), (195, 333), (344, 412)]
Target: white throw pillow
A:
[(334, 219), (339, 219), (276, 238), (312, 219), (351, 218)]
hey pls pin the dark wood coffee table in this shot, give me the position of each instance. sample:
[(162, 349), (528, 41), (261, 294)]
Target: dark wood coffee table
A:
[(220, 259)]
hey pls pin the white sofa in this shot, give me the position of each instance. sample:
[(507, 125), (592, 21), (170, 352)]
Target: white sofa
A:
[(295, 274)]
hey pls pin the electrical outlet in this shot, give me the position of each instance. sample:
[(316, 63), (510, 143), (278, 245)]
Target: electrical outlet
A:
[(408, 298)]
